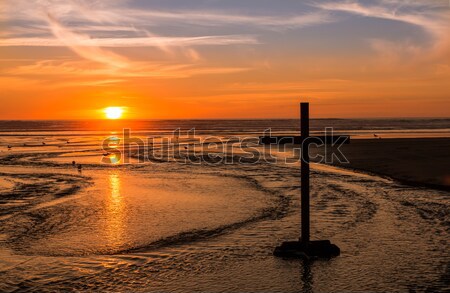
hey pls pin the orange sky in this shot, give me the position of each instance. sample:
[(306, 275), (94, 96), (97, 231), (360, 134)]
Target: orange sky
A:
[(239, 59)]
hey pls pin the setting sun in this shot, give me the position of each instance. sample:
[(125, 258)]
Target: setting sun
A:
[(113, 112)]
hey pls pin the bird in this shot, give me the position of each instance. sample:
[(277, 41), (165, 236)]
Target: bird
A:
[(79, 168), (73, 163), (185, 147), (9, 147), (374, 135), (43, 143)]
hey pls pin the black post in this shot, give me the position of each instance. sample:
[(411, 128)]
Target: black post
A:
[(304, 114), (305, 248)]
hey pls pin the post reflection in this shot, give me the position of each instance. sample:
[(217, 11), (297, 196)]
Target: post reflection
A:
[(307, 277), (115, 217)]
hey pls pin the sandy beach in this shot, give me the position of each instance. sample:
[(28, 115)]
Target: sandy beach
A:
[(170, 226), (414, 161)]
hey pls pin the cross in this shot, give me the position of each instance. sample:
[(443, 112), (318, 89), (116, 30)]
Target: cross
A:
[(305, 248)]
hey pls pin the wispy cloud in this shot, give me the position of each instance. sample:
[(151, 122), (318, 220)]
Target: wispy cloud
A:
[(117, 15), (68, 38), (66, 69), (433, 17), (92, 30), (213, 18), (73, 24), (75, 41), (422, 14)]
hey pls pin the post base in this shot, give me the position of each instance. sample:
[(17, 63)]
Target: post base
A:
[(319, 249)]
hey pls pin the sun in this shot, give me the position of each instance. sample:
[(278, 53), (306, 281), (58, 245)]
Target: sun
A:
[(113, 112)]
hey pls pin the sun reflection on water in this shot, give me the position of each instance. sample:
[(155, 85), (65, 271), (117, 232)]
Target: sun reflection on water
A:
[(115, 211)]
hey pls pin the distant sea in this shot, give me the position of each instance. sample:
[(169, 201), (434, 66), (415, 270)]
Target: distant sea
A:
[(359, 128)]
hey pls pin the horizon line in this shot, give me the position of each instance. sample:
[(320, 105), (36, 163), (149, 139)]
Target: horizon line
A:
[(228, 119)]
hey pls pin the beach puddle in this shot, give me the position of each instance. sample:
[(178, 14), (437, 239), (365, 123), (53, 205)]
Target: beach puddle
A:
[(124, 211)]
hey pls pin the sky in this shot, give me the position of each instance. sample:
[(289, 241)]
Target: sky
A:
[(188, 59)]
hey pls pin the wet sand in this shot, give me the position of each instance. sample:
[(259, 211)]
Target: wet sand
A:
[(414, 161), (173, 227)]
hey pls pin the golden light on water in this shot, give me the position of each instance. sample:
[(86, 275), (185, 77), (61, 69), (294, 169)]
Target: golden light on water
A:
[(114, 112), (115, 211), (115, 184)]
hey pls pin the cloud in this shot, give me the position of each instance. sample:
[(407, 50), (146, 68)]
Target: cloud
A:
[(118, 13), (115, 25), (68, 38), (432, 20), (75, 42), (432, 17), (66, 69), (92, 28), (213, 18)]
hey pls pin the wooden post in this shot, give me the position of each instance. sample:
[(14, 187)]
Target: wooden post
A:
[(305, 248), (304, 169)]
